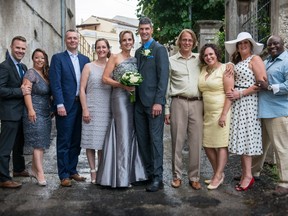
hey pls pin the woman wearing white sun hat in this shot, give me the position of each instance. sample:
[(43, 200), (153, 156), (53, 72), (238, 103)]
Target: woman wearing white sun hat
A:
[(245, 136)]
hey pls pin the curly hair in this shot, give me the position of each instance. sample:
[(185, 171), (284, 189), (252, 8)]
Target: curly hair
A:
[(212, 46)]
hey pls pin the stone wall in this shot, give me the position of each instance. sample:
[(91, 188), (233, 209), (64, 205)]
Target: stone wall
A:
[(282, 21), (38, 21), (235, 11)]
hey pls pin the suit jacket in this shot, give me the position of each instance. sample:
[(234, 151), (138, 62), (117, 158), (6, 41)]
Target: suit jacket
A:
[(155, 72), (11, 96), (62, 77)]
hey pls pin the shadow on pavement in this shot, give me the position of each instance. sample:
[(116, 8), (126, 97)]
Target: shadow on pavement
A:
[(88, 199)]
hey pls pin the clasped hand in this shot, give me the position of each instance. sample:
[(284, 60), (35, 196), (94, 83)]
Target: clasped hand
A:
[(235, 94), (262, 84), (26, 89), (129, 88)]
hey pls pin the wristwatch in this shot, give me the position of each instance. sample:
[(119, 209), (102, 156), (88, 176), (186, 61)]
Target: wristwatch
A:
[(269, 88)]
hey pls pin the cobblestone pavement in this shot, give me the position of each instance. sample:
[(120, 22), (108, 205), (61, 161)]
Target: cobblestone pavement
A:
[(87, 199)]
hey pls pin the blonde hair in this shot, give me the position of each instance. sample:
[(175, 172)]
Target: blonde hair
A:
[(193, 35)]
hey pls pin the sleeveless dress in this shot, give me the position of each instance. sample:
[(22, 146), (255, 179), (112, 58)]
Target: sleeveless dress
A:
[(213, 94), (121, 163), (37, 135), (245, 128), (98, 103)]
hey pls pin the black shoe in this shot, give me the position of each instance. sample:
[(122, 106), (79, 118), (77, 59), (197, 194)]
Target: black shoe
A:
[(141, 183), (155, 186)]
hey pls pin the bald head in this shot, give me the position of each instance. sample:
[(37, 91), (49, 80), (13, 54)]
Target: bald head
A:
[(275, 46)]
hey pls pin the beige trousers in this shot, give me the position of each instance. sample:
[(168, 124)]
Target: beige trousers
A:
[(186, 124), (275, 131)]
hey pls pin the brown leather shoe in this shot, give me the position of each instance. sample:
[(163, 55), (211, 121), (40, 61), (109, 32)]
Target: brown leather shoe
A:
[(195, 185), (66, 182), (280, 191), (10, 184), (24, 173), (77, 177), (176, 183)]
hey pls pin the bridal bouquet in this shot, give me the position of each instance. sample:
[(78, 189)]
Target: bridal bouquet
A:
[(131, 79)]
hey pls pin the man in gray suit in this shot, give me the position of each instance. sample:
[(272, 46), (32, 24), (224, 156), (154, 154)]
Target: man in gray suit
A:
[(11, 109), (153, 65)]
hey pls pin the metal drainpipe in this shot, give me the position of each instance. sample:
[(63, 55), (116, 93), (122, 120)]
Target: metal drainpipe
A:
[(63, 24)]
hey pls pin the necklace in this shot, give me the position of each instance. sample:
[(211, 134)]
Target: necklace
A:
[(210, 70)]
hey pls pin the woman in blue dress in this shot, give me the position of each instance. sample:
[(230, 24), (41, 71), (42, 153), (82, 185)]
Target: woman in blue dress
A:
[(37, 120)]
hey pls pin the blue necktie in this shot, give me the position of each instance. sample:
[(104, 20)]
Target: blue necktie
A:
[(21, 72)]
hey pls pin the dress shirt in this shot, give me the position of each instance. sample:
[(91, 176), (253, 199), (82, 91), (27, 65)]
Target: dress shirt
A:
[(16, 65), (183, 77), (76, 65), (148, 43), (273, 104)]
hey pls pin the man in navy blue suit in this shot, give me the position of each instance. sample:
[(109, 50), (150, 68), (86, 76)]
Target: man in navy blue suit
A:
[(64, 74)]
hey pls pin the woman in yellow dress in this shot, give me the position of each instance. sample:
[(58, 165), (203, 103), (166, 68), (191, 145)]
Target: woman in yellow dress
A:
[(213, 84)]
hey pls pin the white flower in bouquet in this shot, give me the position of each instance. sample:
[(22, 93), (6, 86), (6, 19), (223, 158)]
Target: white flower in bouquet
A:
[(131, 79), (134, 79)]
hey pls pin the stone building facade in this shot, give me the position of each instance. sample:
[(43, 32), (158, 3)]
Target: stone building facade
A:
[(244, 15), (42, 23), (279, 19)]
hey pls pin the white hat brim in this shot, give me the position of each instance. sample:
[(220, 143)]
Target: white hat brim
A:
[(230, 46)]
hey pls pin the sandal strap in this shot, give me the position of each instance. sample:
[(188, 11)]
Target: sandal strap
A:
[(93, 171)]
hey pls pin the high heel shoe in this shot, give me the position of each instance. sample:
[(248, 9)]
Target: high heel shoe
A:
[(240, 188), (93, 181), (208, 181), (213, 187), (40, 183)]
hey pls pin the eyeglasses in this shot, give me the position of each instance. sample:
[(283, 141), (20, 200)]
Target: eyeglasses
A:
[(187, 40)]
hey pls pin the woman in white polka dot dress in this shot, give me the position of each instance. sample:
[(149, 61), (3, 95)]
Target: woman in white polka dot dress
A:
[(245, 136)]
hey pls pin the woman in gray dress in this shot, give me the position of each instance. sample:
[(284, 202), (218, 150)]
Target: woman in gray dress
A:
[(121, 164), (95, 102), (37, 120)]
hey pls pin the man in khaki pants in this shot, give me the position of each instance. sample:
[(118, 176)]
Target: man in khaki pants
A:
[(185, 112), (273, 110)]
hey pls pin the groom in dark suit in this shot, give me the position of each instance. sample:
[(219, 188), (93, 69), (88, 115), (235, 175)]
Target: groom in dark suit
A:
[(64, 74), (153, 64), (11, 108)]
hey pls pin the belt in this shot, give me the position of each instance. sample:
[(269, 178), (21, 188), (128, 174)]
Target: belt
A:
[(187, 98), (77, 98), (240, 86)]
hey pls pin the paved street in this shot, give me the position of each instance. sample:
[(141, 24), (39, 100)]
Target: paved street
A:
[(87, 199)]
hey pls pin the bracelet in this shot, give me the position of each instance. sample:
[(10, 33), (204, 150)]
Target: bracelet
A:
[(240, 93)]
